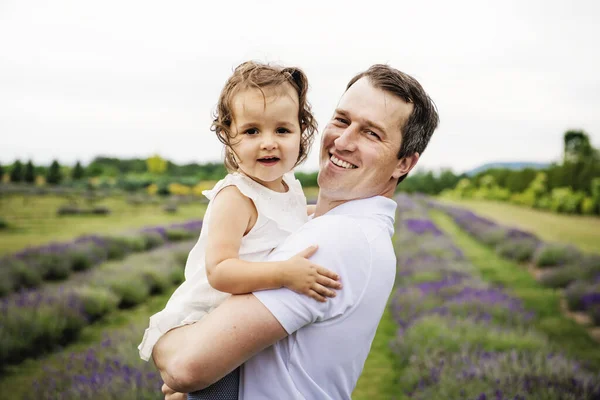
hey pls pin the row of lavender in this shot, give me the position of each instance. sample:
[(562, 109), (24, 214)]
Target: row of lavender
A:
[(563, 266), (56, 261), (459, 337), (37, 320)]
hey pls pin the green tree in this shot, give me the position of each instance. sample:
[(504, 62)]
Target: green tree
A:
[(156, 164), (16, 172), (577, 147), (1, 172), (78, 172), (29, 175), (54, 176)]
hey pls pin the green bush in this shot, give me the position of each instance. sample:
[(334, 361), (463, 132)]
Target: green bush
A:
[(170, 208), (517, 249), (7, 282), (550, 255), (53, 266), (3, 224), (97, 302), (588, 206), (158, 280), (117, 247), (100, 210), (594, 313), (152, 240), (573, 293), (176, 235), (25, 276), (68, 209), (560, 277), (130, 291)]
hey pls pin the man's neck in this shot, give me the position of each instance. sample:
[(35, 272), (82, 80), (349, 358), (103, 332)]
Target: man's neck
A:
[(326, 204)]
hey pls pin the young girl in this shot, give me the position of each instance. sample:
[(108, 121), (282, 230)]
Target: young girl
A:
[(266, 125)]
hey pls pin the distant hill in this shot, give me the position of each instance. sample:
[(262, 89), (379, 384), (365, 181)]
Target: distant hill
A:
[(508, 165)]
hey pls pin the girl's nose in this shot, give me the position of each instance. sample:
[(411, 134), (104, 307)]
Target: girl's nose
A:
[(268, 142)]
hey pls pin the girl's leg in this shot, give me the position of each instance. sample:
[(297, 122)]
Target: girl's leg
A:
[(224, 389)]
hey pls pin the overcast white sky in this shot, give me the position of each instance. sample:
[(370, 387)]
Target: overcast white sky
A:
[(133, 78)]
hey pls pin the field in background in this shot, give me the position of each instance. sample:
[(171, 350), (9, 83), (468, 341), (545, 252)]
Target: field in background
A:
[(580, 231), (34, 221)]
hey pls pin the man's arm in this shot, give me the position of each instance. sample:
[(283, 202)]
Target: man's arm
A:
[(194, 357)]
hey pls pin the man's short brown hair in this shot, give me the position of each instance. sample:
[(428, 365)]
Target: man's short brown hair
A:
[(423, 120), (255, 75)]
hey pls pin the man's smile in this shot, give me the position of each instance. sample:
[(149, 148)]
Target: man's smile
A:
[(341, 163)]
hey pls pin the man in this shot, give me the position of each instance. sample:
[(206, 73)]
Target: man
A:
[(292, 346)]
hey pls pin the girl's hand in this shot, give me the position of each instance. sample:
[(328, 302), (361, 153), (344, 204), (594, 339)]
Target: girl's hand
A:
[(302, 276)]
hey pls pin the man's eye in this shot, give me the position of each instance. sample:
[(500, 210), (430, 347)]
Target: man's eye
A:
[(373, 134), (283, 130), (341, 120), (251, 131)]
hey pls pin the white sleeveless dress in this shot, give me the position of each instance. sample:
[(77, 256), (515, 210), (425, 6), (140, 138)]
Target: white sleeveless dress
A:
[(279, 214)]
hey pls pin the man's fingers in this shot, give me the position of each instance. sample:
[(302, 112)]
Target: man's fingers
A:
[(316, 296), (309, 251), (329, 282), (328, 273), (166, 390), (322, 290)]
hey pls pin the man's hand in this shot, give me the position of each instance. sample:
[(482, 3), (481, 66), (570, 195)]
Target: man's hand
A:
[(193, 357), (170, 394)]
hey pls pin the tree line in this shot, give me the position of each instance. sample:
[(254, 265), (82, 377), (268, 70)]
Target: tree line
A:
[(571, 185)]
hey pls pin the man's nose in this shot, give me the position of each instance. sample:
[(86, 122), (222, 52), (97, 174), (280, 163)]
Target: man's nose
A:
[(347, 139)]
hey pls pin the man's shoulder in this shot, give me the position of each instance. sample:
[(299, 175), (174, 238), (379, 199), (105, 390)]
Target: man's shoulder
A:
[(335, 225)]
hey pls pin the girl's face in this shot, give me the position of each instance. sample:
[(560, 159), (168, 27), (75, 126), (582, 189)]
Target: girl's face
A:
[(266, 133)]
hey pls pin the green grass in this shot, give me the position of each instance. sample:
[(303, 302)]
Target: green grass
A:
[(379, 379), (570, 337), (580, 231), (33, 220)]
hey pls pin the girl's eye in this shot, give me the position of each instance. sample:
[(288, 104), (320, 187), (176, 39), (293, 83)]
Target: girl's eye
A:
[(251, 131), (283, 130)]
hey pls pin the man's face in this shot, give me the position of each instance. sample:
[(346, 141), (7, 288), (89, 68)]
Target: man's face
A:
[(359, 149)]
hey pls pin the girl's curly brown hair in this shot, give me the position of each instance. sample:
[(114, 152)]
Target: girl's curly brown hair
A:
[(252, 74)]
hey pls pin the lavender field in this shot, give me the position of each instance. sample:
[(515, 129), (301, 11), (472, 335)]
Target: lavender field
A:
[(455, 332)]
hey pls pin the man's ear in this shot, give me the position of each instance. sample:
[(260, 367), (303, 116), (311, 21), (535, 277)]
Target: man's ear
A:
[(404, 165)]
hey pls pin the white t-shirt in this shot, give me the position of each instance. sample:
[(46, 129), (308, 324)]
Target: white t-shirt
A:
[(328, 343), (279, 214)]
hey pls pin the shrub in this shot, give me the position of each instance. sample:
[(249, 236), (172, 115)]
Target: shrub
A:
[(594, 314), (117, 247), (24, 275), (7, 281), (590, 266), (176, 235), (68, 209), (517, 249), (560, 277), (3, 224), (153, 239), (130, 292), (574, 293), (51, 265), (170, 208), (555, 254), (158, 281), (97, 302), (100, 210), (494, 236)]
